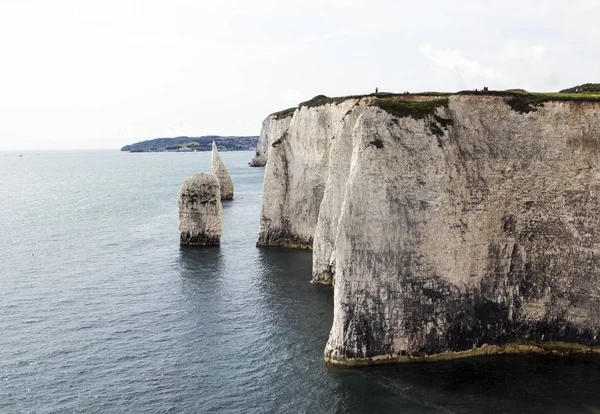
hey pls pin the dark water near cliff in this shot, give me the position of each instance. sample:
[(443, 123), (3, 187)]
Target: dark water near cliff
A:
[(101, 311)]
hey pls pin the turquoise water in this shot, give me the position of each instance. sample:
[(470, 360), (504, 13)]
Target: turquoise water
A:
[(102, 311)]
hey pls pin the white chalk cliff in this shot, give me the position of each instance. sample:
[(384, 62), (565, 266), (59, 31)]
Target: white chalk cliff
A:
[(200, 210), (449, 225), (273, 128), (218, 168)]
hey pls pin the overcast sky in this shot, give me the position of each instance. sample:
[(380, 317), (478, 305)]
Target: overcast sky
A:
[(102, 74)]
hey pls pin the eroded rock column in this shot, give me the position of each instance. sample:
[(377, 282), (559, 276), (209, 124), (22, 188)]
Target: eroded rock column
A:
[(218, 168), (200, 210)]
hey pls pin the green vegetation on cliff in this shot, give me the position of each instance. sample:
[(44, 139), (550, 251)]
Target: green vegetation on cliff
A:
[(321, 100), (413, 105), (525, 102), (585, 88), (403, 108), (284, 114)]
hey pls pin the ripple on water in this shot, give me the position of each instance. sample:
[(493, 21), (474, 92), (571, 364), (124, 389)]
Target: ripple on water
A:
[(102, 311)]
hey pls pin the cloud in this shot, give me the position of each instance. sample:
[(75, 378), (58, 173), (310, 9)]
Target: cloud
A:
[(108, 73), (348, 3), (470, 72), (293, 96), (531, 66), (513, 51), (343, 32), (515, 65)]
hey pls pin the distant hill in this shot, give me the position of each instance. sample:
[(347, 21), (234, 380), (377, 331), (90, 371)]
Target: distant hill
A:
[(586, 87), (187, 144)]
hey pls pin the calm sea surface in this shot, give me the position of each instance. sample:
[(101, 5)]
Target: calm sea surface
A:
[(102, 311)]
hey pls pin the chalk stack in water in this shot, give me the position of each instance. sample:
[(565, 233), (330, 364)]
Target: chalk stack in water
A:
[(200, 210), (218, 168)]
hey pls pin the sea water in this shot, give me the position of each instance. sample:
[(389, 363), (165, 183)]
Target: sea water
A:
[(101, 310)]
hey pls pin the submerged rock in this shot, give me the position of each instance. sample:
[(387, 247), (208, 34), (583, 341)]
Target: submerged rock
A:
[(451, 225), (200, 210), (218, 168)]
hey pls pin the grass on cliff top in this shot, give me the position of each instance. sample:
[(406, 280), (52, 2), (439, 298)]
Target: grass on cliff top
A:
[(548, 96), (321, 100), (396, 104), (402, 108), (401, 105), (524, 102), (586, 87), (284, 114)]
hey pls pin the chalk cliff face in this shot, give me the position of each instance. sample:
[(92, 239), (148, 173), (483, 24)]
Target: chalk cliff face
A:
[(466, 225), (262, 146), (296, 174), (337, 170), (200, 210), (273, 128), (218, 168)]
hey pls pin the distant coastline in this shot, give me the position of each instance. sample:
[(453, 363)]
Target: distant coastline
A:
[(194, 144)]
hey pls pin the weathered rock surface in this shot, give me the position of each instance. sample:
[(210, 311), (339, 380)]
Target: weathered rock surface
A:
[(338, 168), (200, 210), (296, 175), (470, 228), (218, 168), (273, 128)]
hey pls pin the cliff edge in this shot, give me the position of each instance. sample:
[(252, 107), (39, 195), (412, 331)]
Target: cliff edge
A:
[(449, 224), (272, 130)]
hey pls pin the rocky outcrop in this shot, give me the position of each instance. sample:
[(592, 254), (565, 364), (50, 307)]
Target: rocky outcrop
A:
[(200, 210), (273, 128), (262, 146), (451, 225), (296, 174), (218, 168), (338, 168)]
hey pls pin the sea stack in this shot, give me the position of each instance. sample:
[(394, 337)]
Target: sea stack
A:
[(200, 210), (218, 168)]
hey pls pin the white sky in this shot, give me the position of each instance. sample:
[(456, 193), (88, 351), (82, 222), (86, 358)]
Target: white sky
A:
[(102, 74)]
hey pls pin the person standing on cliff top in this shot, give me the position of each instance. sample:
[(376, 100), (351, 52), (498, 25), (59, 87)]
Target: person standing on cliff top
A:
[(376, 89)]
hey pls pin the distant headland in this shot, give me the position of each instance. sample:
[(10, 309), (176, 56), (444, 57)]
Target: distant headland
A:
[(192, 144)]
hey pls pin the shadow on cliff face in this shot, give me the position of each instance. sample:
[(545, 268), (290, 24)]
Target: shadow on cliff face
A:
[(494, 384)]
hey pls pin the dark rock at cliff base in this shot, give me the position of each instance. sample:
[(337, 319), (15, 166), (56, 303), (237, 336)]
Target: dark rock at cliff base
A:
[(470, 226)]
